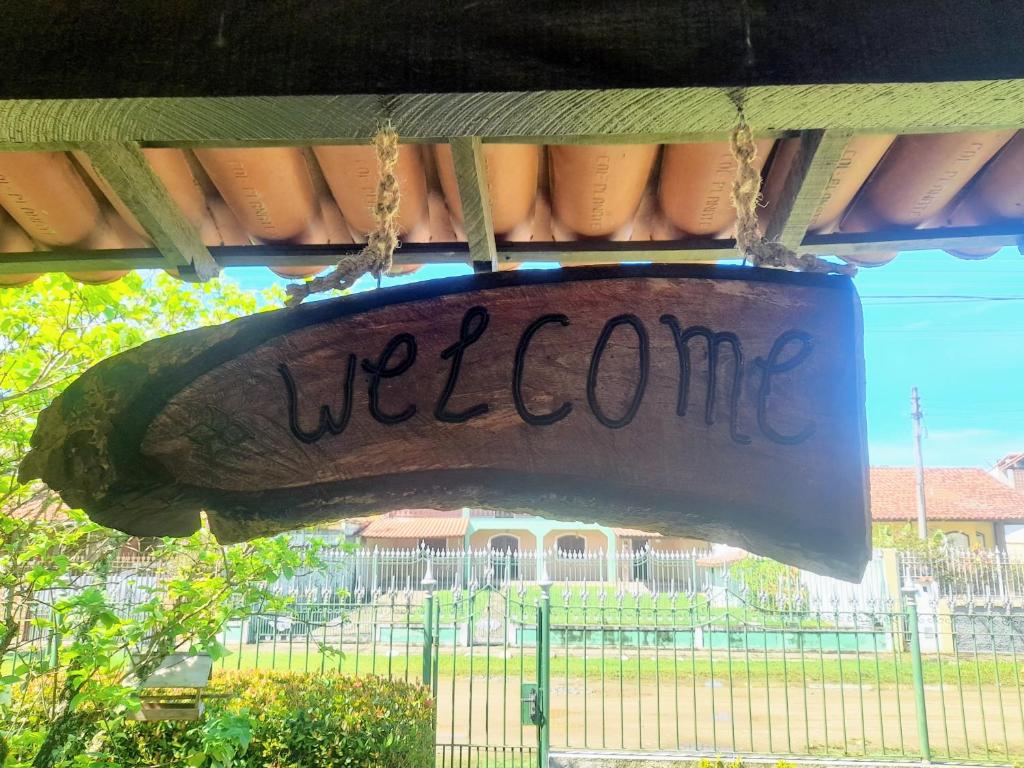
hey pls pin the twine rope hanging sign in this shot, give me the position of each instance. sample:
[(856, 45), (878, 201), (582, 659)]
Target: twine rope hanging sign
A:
[(378, 254), (746, 197), (247, 427)]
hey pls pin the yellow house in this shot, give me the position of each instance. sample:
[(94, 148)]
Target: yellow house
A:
[(972, 507), (571, 551), (482, 530)]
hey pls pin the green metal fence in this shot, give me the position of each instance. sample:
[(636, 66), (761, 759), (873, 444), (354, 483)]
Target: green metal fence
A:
[(520, 668), (637, 670)]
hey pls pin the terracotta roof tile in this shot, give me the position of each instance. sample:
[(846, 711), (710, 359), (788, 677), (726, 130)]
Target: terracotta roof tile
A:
[(285, 179), (416, 528), (723, 557), (426, 513), (955, 493), (42, 508), (635, 532)]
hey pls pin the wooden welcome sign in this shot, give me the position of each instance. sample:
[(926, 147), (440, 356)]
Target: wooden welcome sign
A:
[(726, 404)]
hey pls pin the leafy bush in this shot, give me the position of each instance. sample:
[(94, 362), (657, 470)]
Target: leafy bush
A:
[(957, 570), (281, 720), (767, 583), (905, 538), (64, 573)]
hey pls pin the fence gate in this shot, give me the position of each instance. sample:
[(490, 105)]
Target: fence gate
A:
[(481, 661)]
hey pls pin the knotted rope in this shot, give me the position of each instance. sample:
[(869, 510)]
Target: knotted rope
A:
[(376, 256), (746, 196)]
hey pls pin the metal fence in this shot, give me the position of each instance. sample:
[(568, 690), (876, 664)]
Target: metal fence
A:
[(969, 575), (631, 669), (385, 569), (979, 577), (658, 660)]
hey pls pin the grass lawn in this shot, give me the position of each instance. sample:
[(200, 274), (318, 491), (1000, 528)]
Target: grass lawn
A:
[(604, 605), (700, 666)]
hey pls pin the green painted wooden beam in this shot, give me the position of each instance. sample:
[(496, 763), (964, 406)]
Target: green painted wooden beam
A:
[(471, 176), (899, 240), (813, 164), (986, 237), (124, 167), (226, 256), (642, 115), (72, 260)]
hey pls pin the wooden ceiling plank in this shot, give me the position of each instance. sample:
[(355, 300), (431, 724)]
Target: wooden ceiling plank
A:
[(125, 168), (471, 176), (808, 176), (94, 50), (641, 115)]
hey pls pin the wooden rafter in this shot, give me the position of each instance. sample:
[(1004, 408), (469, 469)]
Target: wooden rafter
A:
[(647, 115), (471, 175), (822, 116), (126, 170), (813, 163)]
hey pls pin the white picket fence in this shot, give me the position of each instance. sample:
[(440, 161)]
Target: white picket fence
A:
[(363, 573)]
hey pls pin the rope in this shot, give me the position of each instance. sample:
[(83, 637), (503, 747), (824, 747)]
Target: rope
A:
[(376, 256), (746, 197)]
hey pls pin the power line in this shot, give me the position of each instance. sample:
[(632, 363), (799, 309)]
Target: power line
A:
[(940, 330), (915, 299)]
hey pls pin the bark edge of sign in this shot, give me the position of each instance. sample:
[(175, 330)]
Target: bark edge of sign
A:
[(87, 445)]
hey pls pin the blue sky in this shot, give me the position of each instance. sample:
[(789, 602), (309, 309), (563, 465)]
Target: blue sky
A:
[(965, 355)]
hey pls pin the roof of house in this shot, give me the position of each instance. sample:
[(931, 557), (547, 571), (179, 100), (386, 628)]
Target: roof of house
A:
[(722, 556), (953, 493), (416, 528), (627, 532), (424, 512), (1010, 461), (41, 507)]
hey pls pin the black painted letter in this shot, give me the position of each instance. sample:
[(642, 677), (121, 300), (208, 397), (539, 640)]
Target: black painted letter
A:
[(468, 334), (714, 341), (769, 368), (327, 422), (380, 370), (595, 362), (537, 419)]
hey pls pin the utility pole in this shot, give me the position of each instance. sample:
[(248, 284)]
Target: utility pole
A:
[(916, 415)]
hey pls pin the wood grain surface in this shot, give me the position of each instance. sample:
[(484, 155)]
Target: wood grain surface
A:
[(91, 48), (578, 393)]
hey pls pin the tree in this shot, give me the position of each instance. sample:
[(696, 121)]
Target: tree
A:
[(67, 688), (68, 649), (53, 329)]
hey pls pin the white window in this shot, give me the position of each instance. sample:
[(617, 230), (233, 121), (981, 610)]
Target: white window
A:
[(958, 540), (504, 543)]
